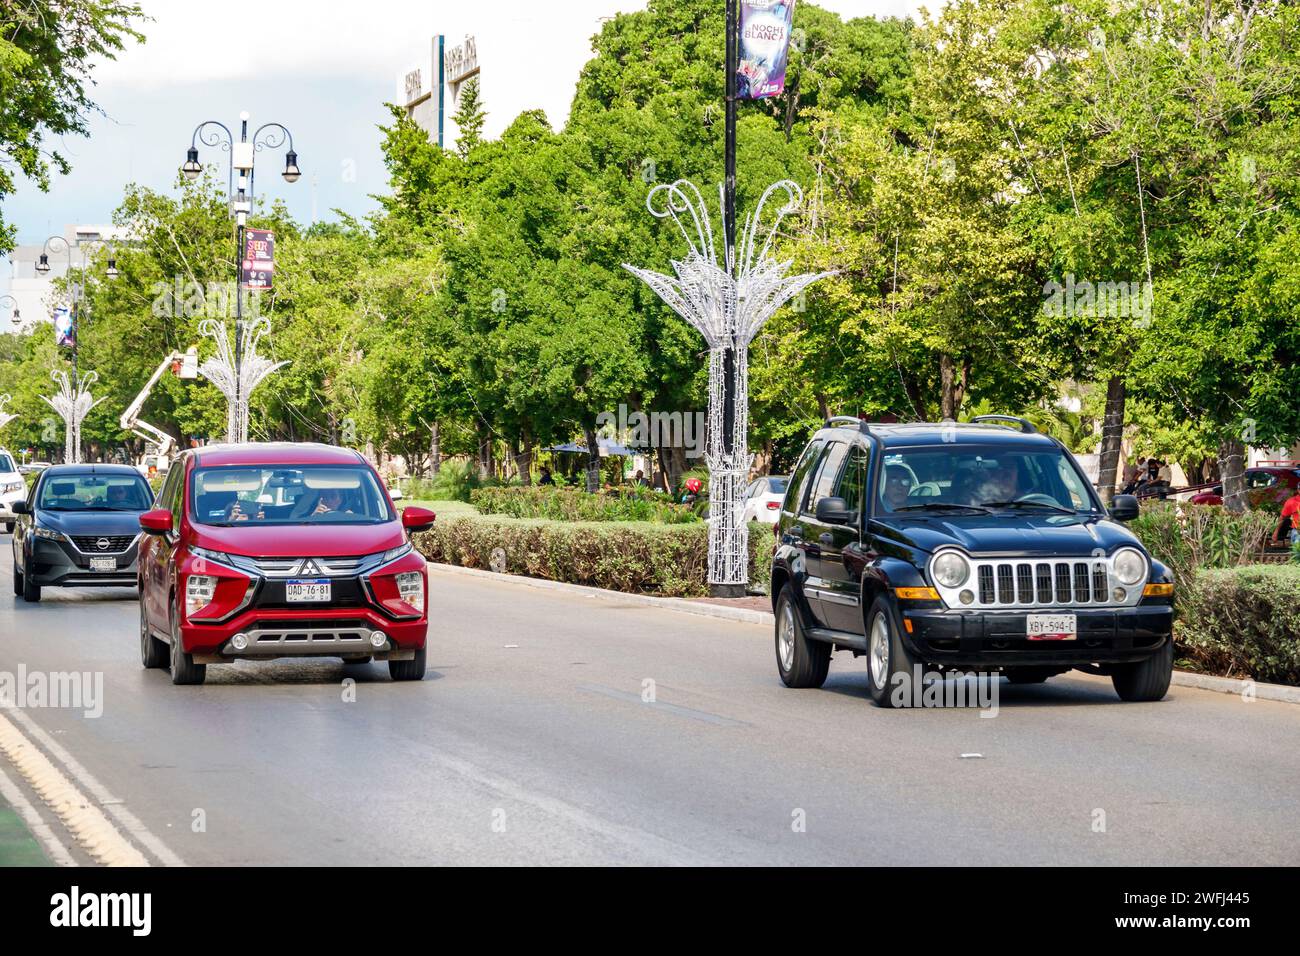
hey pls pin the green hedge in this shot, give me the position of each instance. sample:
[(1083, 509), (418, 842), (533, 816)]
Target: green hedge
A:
[(641, 557), (572, 504), (1191, 537), (1243, 622)]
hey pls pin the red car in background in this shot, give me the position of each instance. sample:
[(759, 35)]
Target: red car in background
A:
[(259, 551), (1266, 484)]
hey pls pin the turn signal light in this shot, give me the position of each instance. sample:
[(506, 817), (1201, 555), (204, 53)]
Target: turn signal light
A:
[(1158, 590), (916, 594)]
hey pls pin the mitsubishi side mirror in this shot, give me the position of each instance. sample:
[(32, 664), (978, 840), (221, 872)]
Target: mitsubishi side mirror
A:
[(417, 519)]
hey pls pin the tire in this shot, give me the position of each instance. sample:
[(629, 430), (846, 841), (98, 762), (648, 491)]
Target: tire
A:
[(1146, 680), (183, 668), (9, 527), (153, 652), (891, 667), (18, 582), (31, 590), (410, 670), (800, 662), (1028, 675)]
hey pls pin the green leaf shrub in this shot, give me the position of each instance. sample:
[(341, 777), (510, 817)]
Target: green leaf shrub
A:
[(1243, 622)]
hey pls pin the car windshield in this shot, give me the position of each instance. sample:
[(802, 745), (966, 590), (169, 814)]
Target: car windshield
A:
[(6, 464), (972, 478), (92, 492), (777, 486), (292, 494)]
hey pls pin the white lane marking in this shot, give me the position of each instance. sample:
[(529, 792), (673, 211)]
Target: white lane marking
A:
[(55, 850), (103, 797), (632, 838), (84, 820)]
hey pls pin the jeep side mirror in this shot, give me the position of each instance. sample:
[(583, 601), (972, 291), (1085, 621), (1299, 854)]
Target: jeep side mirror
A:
[(834, 511), (1124, 507), (20, 508), (158, 521)]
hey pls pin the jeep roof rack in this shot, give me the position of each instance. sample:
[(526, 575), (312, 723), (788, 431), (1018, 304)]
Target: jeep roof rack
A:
[(1024, 424), (836, 421)]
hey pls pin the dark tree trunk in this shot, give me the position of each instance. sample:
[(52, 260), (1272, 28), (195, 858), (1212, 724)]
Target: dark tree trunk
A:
[(524, 459), (593, 459), (1232, 469), (952, 386), (1112, 436), (435, 450)]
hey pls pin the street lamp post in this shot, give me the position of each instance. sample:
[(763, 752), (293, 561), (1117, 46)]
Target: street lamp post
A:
[(10, 301), (75, 285), (239, 186)]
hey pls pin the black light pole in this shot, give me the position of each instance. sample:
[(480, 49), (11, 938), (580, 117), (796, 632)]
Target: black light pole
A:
[(729, 213), (43, 267), (239, 186)]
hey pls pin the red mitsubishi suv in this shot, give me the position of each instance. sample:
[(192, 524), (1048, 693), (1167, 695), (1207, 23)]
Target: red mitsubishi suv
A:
[(279, 550)]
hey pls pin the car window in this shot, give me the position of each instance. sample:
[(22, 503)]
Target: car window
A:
[(88, 491), (1259, 479), (776, 486), (828, 470), (798, 491), (853, 479), (6, 463), (287, 495)]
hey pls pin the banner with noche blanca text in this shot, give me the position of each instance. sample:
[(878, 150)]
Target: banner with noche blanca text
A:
[(764, 47)]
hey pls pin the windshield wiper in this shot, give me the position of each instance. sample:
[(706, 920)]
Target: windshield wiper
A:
[(943, 506), (1027, 504)]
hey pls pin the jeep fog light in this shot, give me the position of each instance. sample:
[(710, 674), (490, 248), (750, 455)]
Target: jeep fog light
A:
[(950, 569), (200, 589), (966, 596), (378, 638), (410, 585), (1130, 566), (1119, 594), (239, 642)]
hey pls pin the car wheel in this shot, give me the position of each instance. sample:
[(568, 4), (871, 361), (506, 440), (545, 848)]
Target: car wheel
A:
[(153, 652), (31, 590), (183, 668), (18, 582), (800, 662), (891, 667), (410, 670), (9, 527), (1145, 680)]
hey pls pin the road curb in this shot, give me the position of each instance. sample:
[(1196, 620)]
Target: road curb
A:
[(737, 614), (1224, 685)]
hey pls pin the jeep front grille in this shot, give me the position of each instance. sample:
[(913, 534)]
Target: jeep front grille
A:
[(1011, 583)]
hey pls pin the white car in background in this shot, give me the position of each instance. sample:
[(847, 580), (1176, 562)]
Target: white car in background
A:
[(12, 488), (763, 498)]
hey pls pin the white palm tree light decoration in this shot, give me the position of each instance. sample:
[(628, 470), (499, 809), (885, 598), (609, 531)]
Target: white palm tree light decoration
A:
[(5, 417), (73, 403), (727, 302), (253, 368)]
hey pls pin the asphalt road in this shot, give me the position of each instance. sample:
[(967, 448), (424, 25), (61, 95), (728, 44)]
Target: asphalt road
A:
[(529, 742)]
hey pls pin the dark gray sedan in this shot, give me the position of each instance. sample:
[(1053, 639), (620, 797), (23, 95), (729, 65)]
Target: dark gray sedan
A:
[(79, 527)]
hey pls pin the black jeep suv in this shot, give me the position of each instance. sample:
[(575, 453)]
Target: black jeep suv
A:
[(947, 547)]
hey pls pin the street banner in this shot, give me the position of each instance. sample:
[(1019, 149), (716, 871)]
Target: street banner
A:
[(259, 259), (764, 47), (65, 332)]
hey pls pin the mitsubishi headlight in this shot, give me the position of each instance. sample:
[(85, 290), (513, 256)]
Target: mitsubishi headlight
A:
[(394, 553), (1130, 566), (200, 589), (42, 532), (410, 585), (950, 569)]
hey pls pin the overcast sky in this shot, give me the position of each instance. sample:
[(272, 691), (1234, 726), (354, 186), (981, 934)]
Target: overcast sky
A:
[(322, 70)]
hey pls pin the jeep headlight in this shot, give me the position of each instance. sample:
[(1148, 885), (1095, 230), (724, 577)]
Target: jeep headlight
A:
[(950, 569), (1130, 566)]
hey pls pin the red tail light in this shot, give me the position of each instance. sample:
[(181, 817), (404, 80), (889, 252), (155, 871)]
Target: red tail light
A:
[(773, 505)]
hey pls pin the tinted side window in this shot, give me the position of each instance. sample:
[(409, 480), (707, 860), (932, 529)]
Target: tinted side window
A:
[(798, 488), (853, 479), (829, 469)]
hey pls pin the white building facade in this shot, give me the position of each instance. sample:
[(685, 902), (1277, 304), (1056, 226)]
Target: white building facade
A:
[(430, 90)]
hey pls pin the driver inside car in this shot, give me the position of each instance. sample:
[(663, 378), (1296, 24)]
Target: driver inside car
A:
[(1001, 484)]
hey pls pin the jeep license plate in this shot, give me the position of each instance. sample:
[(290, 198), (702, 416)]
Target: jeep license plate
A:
[(103, 564), (1051, 627), (311, 591)]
